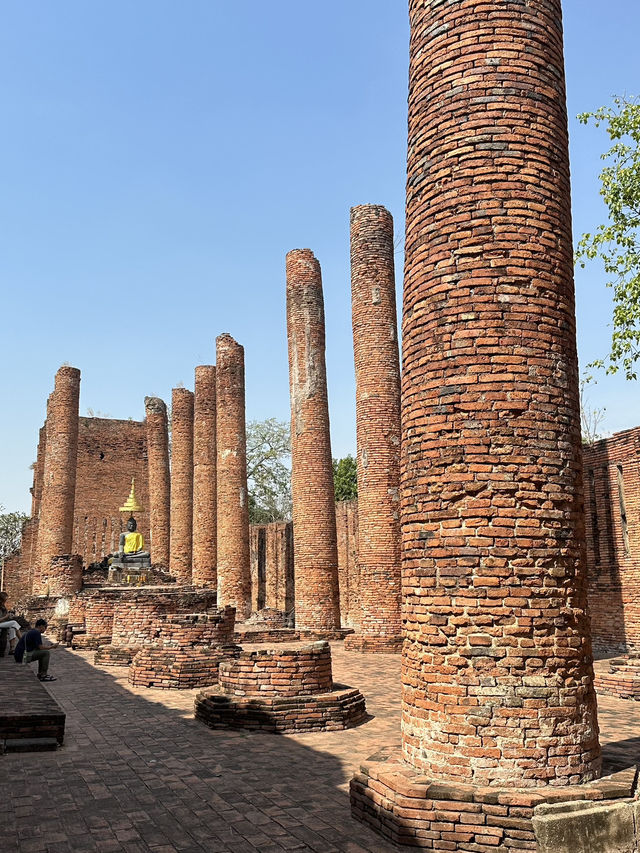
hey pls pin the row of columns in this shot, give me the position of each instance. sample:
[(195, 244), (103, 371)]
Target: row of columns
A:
[(199, 511)]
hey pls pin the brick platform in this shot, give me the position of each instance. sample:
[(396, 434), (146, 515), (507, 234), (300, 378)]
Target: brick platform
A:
[(414, 810), (27, 711), (115, 655), (283, 690), (168, 667), (620, 677)]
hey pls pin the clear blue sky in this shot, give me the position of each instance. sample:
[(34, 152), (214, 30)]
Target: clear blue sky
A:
[(158, 159)]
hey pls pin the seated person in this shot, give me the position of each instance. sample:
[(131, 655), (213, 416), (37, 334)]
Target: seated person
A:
[(7, 621), (33, 646), (132, 543)]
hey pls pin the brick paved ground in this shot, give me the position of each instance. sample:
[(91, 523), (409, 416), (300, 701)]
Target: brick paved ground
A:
[(137, 773)]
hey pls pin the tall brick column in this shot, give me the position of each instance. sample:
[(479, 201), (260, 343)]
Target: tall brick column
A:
[(159, 479), (181, 484), (375, 347), (314, 516), (234, 562), (55, 531), (204, 477), (497, 668)]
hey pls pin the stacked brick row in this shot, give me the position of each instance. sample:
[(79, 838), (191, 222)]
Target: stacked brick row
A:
[(159, 479), (612, 532), (314, 520), (204, 478), (177, 668), (497, 668), (181, 484), (216, 628), (55, 532), (234, 571), (285, 672), (377, 366)]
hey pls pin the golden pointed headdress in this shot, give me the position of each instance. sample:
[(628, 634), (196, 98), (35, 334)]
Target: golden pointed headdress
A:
[(131, 504)]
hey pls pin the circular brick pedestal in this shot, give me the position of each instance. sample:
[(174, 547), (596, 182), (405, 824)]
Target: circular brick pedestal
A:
[(284, 690)]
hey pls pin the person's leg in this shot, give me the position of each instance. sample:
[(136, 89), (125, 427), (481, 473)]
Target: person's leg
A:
[(42, 656)]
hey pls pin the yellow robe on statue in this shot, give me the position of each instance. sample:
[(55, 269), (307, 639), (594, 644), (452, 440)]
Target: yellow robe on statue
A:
[(133, 542)]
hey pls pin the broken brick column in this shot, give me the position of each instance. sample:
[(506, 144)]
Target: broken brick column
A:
[(315, 546), (234, 562), (377, 364), (204, 477), (497, 673), (181, 484), (55, 531), (38, 473), (159, 479)]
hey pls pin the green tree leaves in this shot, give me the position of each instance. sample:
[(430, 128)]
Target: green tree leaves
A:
[(345, 481), (268, 470), (617, 242), (10, 531)]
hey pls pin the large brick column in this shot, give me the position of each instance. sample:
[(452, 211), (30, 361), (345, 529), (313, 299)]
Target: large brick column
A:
[(181, 484), (375, 347), (314, 516), (55, 531), (159, 479), (497, 668), (204, 477), (234, 562)]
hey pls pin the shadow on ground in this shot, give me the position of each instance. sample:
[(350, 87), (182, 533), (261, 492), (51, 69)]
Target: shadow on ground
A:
[(136, 775)]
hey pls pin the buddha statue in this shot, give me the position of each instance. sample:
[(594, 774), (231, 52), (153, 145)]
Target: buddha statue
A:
[(131, 544), (131, 556)]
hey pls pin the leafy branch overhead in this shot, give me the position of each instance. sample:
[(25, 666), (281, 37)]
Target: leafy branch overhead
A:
[(617, 242)]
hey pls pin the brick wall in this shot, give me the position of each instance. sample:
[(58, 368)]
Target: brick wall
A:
[(612, 528), (110, 453)]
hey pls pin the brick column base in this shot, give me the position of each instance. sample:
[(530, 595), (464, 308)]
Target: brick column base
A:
[(413, 810)]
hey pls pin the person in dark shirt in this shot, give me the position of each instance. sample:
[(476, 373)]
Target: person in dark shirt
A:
[(31, 646)]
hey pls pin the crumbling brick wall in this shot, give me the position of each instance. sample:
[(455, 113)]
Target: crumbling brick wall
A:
[(612, 530)]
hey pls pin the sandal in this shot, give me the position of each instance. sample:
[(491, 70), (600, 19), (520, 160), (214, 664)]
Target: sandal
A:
[(46, 678)]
